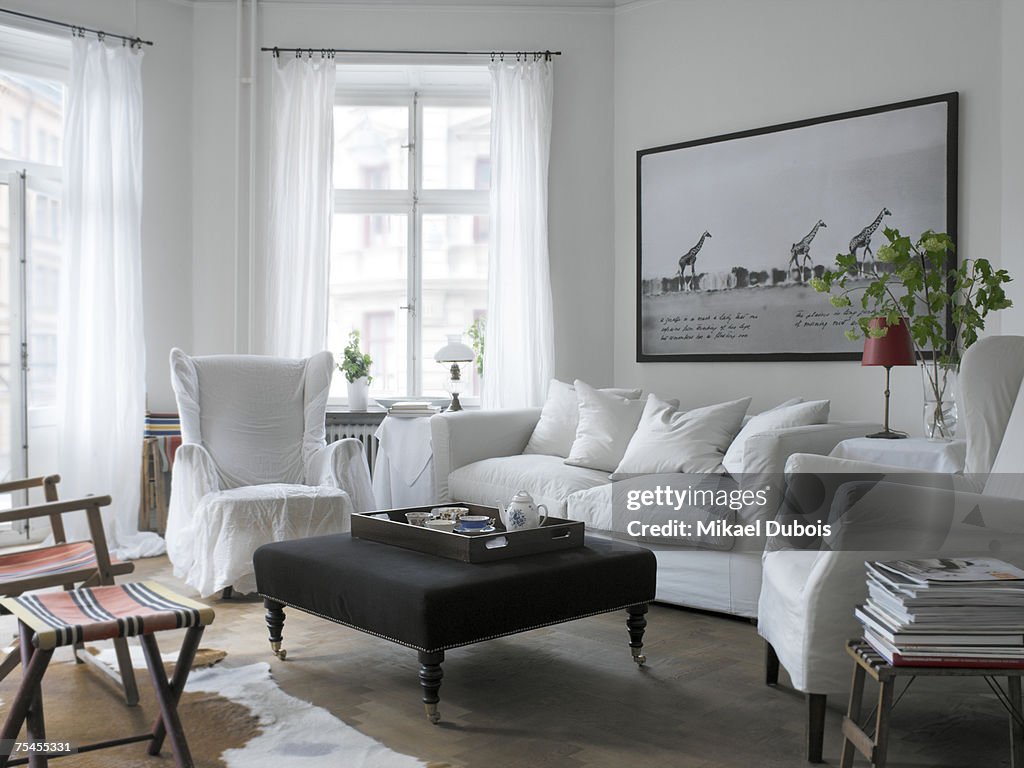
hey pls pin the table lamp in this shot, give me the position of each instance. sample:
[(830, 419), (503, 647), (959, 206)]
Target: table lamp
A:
[(454, 352), (895, 348)]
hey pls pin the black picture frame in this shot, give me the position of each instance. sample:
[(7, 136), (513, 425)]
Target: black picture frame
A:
[(871, 126)]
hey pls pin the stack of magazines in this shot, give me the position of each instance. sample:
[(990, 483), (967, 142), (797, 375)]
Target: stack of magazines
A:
[(411, 408), (945, 612)]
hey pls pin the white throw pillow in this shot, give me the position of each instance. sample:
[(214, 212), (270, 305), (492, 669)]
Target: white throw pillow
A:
[(779, 417), (784, 404), (556, 430), (607, 422), (670, 440)]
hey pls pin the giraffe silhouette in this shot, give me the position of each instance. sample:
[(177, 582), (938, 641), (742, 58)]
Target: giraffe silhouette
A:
[(863, 241), (803, 249), (689, 259)]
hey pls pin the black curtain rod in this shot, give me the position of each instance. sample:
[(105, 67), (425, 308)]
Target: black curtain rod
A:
[(277, 51), (78, 28)]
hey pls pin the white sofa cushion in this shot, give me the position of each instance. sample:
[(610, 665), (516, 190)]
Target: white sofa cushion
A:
[(597, 509), (494, 481), (784, 415), (670, 440), (556, 430), (607, 422)]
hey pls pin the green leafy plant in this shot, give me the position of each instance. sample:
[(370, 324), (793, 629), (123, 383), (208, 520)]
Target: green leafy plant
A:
[(476, 335), (909, 280), (355, 364), (913, 284)]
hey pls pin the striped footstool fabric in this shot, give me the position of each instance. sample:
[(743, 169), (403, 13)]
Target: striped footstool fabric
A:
[(44, 561), (102, 613)]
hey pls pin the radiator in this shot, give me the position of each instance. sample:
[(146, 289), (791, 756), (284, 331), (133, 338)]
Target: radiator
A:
[(361, 432)]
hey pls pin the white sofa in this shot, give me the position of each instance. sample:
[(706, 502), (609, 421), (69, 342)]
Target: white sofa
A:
[(478, 458)]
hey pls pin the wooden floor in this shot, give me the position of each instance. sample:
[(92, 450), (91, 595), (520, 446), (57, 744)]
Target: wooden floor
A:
[(570, 696)]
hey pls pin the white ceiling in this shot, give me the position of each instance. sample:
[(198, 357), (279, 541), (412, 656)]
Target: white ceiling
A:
[(477, 3)]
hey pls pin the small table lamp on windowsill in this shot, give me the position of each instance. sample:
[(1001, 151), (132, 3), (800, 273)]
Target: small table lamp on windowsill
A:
[(454, 352), (895, 348)]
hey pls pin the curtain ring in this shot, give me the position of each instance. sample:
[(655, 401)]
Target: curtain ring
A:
[(277, 52), (101, 36)]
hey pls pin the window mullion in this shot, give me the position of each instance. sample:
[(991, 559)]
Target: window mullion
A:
[(415, 325)]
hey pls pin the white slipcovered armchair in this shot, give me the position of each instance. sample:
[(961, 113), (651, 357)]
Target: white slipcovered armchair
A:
[(805, 611), (254, 466)]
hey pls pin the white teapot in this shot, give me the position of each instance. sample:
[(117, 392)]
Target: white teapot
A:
[(522, 514)]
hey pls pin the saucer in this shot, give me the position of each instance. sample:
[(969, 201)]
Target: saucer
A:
[(474, 531)]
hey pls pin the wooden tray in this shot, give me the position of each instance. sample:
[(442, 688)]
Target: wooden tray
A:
[(390, 527)]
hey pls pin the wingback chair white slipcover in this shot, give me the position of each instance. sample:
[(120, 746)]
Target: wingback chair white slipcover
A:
[(805, 610), (254, 466)]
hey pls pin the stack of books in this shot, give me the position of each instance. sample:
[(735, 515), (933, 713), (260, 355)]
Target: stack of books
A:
[(945, 612), (411, 408), (162, 424)]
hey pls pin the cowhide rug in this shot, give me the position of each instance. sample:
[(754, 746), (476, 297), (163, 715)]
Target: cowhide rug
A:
[(233, 717)]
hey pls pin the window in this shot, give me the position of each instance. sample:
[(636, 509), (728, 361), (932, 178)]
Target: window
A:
[(30, 262), (409, 241)]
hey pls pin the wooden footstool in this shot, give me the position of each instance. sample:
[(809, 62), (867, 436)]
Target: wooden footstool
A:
[(53, 619), (433, 604), (867, 661)]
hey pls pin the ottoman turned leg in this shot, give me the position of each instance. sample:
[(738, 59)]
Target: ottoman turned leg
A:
[(430, 680), (636, 624), (275, 625)]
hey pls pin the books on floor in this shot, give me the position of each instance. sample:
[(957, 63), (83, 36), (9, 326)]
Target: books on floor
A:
[(410, 408), (946, 612)]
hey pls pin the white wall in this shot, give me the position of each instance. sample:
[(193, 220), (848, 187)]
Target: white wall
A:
[(580, 234), (687, 70), (1013, 160), (167, 149)]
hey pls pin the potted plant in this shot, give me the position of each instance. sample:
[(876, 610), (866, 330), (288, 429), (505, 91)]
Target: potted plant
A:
[(909, 279), (476, 336), (356, 367)]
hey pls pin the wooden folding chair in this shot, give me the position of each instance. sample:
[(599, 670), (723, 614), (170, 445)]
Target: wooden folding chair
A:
[(64, 564)]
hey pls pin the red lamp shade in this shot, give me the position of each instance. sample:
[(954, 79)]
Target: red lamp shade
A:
[(895, 348)]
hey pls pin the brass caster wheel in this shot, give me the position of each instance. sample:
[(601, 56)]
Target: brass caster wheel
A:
[(432, 714), (638, 657), (278, 650)]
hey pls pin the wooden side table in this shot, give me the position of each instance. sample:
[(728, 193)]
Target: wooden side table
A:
[(868, 662)]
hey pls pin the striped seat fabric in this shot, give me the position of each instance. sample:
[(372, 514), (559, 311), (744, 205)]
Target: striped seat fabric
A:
[(102, 613), (46, 561)]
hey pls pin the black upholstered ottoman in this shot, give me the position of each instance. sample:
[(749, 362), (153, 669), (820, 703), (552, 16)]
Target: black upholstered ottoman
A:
[(432, 603)]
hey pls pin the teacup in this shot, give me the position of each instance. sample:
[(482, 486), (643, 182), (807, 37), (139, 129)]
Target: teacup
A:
[(475, 522), (418, 518), (450, 513), (439, 524)]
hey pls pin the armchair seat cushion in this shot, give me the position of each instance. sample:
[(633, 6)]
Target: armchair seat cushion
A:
[(547, 478), (230, 525)]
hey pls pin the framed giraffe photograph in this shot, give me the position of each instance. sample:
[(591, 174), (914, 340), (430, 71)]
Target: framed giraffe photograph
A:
[(731, 229)]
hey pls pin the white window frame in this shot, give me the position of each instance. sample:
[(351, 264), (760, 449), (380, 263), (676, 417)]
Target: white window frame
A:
[(413, 202), (46, 56)]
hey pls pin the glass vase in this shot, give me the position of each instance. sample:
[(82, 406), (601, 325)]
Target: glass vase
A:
[(940, 389)]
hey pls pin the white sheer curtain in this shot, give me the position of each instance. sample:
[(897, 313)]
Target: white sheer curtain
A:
[(101, 374), (301, 205), (519, 356)]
